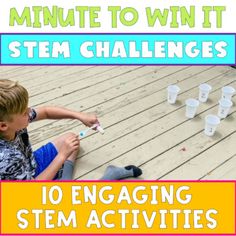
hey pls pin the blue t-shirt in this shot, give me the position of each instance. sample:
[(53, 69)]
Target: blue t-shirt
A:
[(16, 157)]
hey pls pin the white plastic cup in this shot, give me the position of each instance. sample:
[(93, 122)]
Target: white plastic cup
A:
[(227, 92), (173, 91), (191, 107), (204, 90), (224, 107), (211, 123)]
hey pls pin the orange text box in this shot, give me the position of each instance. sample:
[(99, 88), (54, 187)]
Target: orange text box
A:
[(118, 207)]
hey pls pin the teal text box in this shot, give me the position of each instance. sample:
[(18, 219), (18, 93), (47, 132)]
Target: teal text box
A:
[(119, 49)]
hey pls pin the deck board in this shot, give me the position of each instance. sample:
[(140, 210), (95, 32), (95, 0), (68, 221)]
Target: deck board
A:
[(225, 170), (141, 128), (210, 158), (112, 100)]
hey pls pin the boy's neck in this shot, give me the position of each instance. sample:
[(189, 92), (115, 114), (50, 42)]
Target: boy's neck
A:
[(8, 136)]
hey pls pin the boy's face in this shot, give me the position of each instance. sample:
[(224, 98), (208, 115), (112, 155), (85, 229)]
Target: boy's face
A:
[(19, 121)]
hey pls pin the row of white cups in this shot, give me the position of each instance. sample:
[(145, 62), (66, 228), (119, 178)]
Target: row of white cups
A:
[(211, 121)]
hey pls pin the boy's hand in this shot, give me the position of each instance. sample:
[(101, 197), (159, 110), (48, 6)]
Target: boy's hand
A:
[(70, 145), (88, 119)]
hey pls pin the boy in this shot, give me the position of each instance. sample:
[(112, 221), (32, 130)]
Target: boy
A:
[(17, 160), (54, 160)]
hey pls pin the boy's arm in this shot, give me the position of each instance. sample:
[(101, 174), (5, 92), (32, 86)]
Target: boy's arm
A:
[(50, 112)]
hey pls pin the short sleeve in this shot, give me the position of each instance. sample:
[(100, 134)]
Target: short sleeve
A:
[(32, 114)]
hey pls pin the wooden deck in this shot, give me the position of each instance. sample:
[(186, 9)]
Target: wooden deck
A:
[(141, 128)]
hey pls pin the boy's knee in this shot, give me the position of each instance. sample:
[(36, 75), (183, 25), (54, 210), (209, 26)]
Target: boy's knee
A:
[(59, 142), (67, 135)]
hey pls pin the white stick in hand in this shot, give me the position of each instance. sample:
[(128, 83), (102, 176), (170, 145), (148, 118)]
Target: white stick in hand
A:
[(96, 126), (84, 132), (100, 129)]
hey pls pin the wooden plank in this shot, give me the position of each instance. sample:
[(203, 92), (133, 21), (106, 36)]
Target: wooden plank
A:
[(160, 155), (65, 79), (24, 73), (208, 159), (143, 118), (76, 91), (132, 107), (63, 101), (6, 71), (225, 171), (111, 105), (83, 95), (54, 75), (71, 91), (154, 139)]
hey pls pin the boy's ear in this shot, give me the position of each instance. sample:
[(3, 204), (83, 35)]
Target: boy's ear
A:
[(3, 126)]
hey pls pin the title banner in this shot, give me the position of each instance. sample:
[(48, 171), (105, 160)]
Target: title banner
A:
[(118, 32), (173, 16), (146, 207)]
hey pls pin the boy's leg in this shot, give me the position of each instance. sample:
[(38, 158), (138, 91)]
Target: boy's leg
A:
[(46, 154), (58, 142), (67, 171), (116, 173)]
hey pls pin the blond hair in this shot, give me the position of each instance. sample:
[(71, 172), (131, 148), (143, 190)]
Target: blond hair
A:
[(13, 99)]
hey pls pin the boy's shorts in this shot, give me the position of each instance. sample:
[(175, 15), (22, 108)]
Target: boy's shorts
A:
[(44, 156)]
